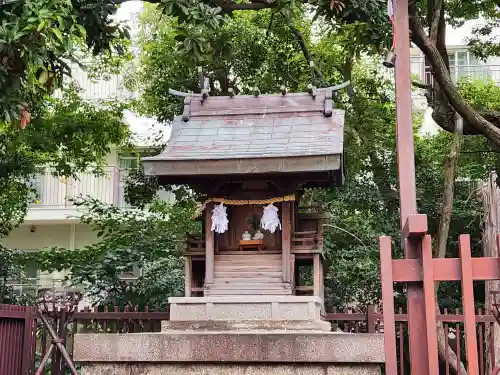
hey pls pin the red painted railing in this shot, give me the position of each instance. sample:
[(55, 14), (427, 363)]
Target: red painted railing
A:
[(114, 319), (17, 339)]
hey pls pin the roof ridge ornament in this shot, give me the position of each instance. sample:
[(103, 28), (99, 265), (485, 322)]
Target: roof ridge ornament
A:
[(330, 95)]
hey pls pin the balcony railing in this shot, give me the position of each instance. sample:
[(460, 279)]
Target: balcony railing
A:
[(482, 72), (58, 192)]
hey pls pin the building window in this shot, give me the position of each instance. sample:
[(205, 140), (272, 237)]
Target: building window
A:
[(129, 162), (133, 273), (28, 282), (464, 64)]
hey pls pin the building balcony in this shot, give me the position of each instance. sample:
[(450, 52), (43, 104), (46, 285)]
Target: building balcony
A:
[(457, 72), (55, 195), (422, 73)]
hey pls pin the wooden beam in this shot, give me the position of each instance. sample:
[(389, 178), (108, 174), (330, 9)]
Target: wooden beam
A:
[(415, 226), (445, 269), (209, 246), (241, 166), (286, 239)]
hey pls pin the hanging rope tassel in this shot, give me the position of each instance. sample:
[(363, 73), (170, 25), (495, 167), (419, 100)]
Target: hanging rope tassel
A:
[(270, 220), (219, 219)]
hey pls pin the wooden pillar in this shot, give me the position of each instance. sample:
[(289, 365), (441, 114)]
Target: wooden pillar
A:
[(286, 238), (188, 275), (318, 275), (209, 246), (407, 187)]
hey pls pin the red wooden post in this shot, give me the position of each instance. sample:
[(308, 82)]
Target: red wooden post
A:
[(468, 304), (481, 344), (407, 185), (430, 305), (416, 316), (458, 346), (391, 364), (446, 345), (29, 341)]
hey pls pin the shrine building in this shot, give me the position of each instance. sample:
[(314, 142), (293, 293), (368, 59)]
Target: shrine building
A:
[(254, 296), (248, 156)]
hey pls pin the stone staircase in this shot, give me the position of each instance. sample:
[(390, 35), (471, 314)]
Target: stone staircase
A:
[(248, 274)]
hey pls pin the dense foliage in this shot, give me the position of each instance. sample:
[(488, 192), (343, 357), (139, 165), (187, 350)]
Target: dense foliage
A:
[(68, 135), (241, 50), (128, 238), (368, 205), (37, 40)]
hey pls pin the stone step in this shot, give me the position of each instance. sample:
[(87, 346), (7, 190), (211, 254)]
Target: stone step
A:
[(248, 292), (248, 274), (248, 262), (249, 279), (248, 256), (247, 285), (247, 267)]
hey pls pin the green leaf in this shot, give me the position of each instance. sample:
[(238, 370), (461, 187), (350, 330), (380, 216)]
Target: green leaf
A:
[(81, 30), (43, 77), (58, 34), (41, 26), (61, 22)]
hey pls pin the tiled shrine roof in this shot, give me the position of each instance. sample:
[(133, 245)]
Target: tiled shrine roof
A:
[(253, 127)]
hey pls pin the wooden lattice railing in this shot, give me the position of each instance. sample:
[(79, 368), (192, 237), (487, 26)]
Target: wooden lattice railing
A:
[(307, 242), (195, 244)]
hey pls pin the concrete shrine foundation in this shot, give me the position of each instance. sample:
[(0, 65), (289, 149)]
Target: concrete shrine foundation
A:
[(228, 369), (247, 312), (230, 336), (229, 352)]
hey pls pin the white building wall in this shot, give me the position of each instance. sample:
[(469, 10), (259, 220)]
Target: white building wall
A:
[(37, 237)]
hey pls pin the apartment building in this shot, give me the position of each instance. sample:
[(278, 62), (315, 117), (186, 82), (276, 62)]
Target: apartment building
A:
[(462, 64), (53, 220)]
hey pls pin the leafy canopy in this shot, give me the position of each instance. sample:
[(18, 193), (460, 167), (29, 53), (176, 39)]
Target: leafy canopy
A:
[(151, 239)]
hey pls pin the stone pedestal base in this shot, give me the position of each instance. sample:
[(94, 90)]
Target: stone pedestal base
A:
[(227, 369), (229, 346), (169, 326), (254, 335), (245, 308)]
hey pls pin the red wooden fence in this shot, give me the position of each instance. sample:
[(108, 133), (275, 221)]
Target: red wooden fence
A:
[(453, 324), (427, 271), (17, 339), (115, 319)]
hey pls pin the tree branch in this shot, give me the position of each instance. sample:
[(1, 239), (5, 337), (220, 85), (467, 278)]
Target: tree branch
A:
[(421, 85), (442, 76), (434, 15), (303, 47), (224, 5)]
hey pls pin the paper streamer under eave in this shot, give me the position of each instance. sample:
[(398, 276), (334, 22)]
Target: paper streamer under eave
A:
[(270, 220), (219, 218)]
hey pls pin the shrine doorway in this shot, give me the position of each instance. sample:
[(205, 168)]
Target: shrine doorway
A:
[(245, 220)]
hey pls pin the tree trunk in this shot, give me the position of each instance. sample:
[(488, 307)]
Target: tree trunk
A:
[(490, 196), (475, 122), (450, 168)]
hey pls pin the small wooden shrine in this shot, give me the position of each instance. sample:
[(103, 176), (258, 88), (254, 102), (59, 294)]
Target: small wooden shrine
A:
[(251, 157), (251, 306)]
